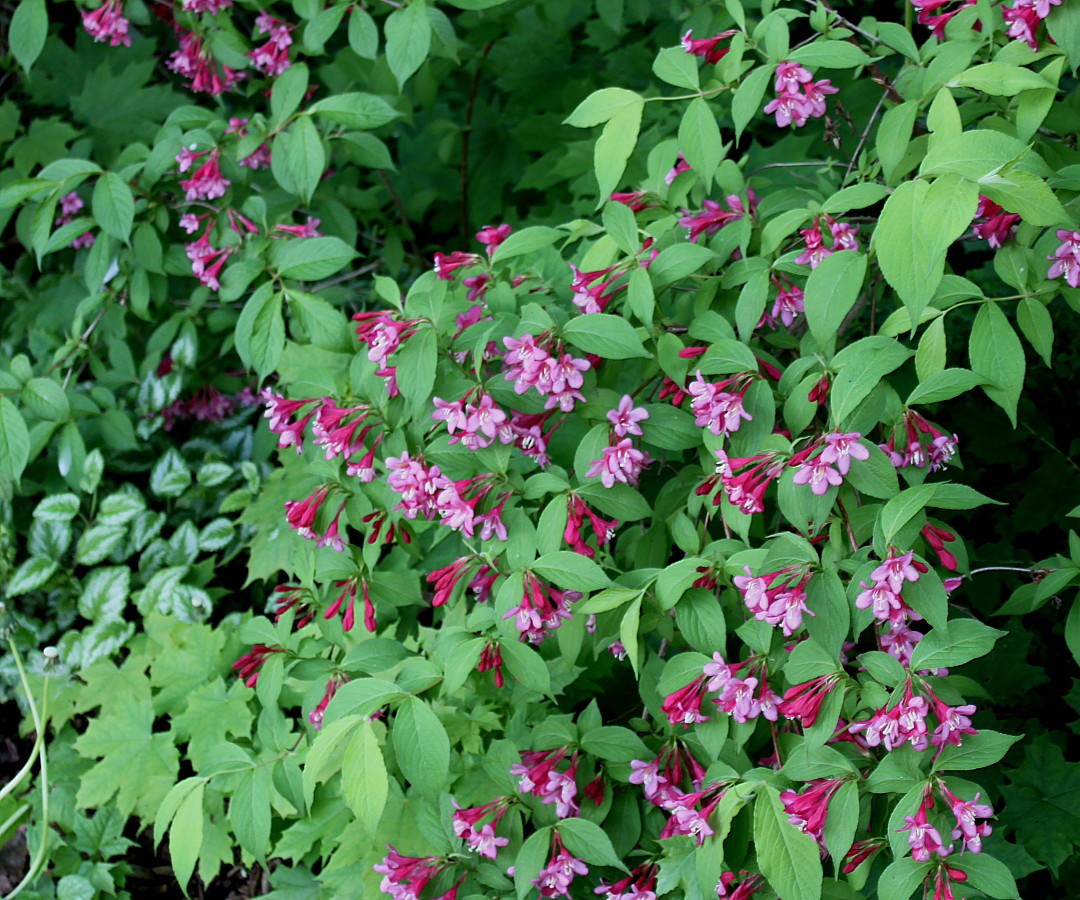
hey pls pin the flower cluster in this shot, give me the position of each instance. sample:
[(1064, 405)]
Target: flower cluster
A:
[(577, 510), (707, 47), (808, 808), (483, 840), (249, 665), (107, 23), (475, 425), (883, 598), (620, 460), (538, 776), (992, 223), (206, 182), (315, 717), (714, 216), (71, 203), (935, 14), (743, 697), (541, 610), (382, 333), (301, 516), (557, 376), (272, 58), (425, 491), (825, 462), (404, 877), (778, 598), (798, 97), (843, 236), (206, 404), (555, 878), (660, 778), (1066, 257), (787, 305), (916, 442), (803, 701), (743, 479), (718, 405), (1023, 18), (346, 600), (905, 722), (640, 884), (206, 259), (197, 64)]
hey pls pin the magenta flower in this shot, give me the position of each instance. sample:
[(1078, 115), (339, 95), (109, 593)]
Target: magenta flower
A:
[(1066, 257), (194, 62), (1023, 18), (937, 22), (992, 223), (841, 448), (271, 58), (808, 809), (798, 96), (707, 47), (625, 417), (206, 182), (493, 235), (818, 474), (621, 462), (107, 22), (923, 837)]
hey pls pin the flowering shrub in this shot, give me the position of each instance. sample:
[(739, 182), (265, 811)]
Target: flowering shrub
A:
[(618, 551)]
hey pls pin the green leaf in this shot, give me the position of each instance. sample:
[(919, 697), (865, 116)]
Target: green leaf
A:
[(1037, 326), (288, 92), (676, 579), (1000, 79), (186, 834), (57, 508), (614, 743), (105, 593), (309, 259), (614, 146), (997, 355), (588, 841), (675, 66), (170, 475), (361, 697), (1063, 24), (958, 496), (114, 206), (901, 878), (961, 641), (301, 158), (830, 54), (943, 385), (527, 240), (1072, 630), (860, 367), (747, 98), (699, 139), (900, 509), (97, 542), (14, 442), (356, 110), (989, 875), (619, 222), (260, 330), (363, 34), (701, 620), (417, 363), (972, 154), (831, 292), (249, 812), (171, 803), (678, 261), (788, 858), (530, 860), (611, 337), (408, 39), (670, 428), (421, 745), (31, 574), (629, 627), (602, 106), (977, 751), (751, 304), (364, 782), (1021, 192), (45, 399), (526, 665), (322, 27), (570, 570), (875, 475), (27, 31)]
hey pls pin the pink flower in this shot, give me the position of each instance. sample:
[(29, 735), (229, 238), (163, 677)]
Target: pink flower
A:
[(195, 63), (107, 22), (271, 58), (554, 880), (937, 22), (621, 462), (625, 417), (493, 235), (923, 837), (818, 474), (308, 229), (708, 221), (1066, 257), (446, 263), (681, 165), (809, 808), (841, 448), (992, 223), (213, 7), (1023, 18), (719, 410), (315, 717), (707, 47), (206, 182)]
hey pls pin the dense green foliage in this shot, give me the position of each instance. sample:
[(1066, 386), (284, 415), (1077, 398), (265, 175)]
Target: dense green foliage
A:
[(193, 206)]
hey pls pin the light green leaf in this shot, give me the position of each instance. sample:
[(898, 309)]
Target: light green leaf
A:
[(421, 745), (831, 292), (997, 355), (408, 39)]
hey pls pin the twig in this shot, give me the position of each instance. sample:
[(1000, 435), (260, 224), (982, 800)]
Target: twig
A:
[(863, 137), (399, 208), (1031, 572), (356, 273)]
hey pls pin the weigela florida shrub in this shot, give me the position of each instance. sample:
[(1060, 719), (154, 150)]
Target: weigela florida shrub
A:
[(611, 547)]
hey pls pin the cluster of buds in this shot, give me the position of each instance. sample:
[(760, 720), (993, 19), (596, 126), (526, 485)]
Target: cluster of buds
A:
[(661, 778), (335, 681), (541, 610), (206, 182), (554, 880), (707, 47), (249, 665), (382, 333), (620, 460), (905, 722), (588, 287), (787, 305), (743, 479), (935, 14), (803, 701), (445, 263), (207, 260), (908, 445), (556, 376), (937, 538), (70, 204), (538, 776), (808, 808), (207, 404), (107, 23), (1023, 19), (1066, 257), (992, 223), (302, 514), (475, 425), (825, 462), (718, 406), (197, 64), (690, 813), (491, 658), (482, 839), (713, 216), (742, 697), (577, 510), (778, 598), (346, 600), (843, 236), (725, 890), (640, 884), (798, 97), (293, 596), (444, 580), (310, 228), (343, 431), (260, 157), (404, 877)]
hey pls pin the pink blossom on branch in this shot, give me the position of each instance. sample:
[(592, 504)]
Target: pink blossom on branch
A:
[(798, 96), (206, 182), (195, 63), (272, 58), (1066, 257), (1023, 17), (992, 223), (707, 47), (621, 461), (107, 23)]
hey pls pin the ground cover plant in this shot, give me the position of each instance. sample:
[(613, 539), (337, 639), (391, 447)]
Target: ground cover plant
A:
[(511, 449)]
